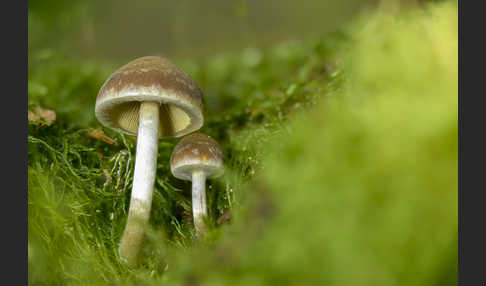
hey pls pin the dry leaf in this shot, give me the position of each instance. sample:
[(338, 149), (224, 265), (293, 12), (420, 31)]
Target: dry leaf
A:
[(99, 135), (41, 116), (32, 116), (49, 116)]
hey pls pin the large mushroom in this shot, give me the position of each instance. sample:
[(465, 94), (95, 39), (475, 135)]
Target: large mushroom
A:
[(195, 158), (149, 98)]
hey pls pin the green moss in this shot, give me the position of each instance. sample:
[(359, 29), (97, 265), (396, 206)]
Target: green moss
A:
[(341, 156)]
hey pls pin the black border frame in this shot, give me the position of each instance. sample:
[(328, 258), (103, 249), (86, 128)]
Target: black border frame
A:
[(472, 143), (14, 208)]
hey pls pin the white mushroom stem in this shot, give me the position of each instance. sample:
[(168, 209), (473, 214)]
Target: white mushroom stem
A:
[(199, 210), (143, 182)]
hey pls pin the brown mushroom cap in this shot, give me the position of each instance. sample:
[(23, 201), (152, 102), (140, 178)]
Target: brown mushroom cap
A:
[(150, 79), (194, 152)]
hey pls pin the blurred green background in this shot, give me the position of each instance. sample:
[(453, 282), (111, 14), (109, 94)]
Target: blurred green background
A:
[(124, 29), (338, 120)]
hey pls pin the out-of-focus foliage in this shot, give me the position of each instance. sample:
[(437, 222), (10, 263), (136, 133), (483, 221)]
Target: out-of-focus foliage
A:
[(341, 156), (363, 189), (122, 29)]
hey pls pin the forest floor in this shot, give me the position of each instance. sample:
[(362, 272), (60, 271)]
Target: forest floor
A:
[(341, 165)]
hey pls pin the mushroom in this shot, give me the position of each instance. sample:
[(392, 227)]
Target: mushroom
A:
[(195, 158), (149, 98)]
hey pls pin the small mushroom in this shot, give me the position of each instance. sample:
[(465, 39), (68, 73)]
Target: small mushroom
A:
[(195, 158), (149, 98)]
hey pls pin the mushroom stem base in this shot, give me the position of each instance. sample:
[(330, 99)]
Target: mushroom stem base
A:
[(143, 183), (199, 210), (135, 228)]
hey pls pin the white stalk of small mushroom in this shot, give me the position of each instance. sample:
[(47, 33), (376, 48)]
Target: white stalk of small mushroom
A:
[(195, 158), (199, 208)]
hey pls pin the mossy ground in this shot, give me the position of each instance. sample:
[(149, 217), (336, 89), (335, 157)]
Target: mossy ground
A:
[(341, 165)]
